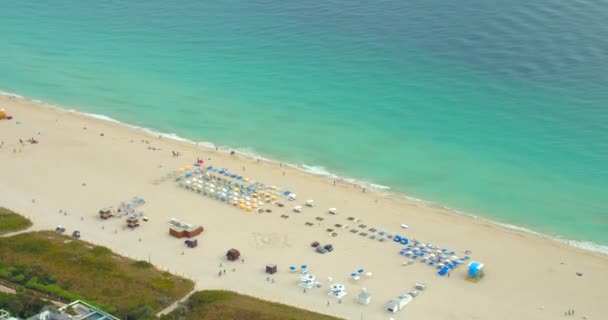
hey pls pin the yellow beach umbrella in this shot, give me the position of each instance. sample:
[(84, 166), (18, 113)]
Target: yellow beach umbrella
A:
[(273, 198), (242, 206), (245, 179)]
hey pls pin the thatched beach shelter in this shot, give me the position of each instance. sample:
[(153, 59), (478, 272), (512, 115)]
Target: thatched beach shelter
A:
[(233, 254)]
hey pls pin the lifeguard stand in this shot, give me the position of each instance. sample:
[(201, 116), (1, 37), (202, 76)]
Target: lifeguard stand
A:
[(475, 272)]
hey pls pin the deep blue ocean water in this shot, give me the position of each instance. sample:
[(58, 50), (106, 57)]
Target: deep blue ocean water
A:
[(494, 108)]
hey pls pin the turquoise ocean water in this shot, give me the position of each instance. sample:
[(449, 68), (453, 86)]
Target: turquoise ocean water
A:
[(494, 108)]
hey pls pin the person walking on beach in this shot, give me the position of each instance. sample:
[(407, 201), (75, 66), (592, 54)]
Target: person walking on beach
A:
[(220, 274)]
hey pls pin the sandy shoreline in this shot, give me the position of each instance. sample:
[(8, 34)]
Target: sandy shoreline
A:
[(528, 277)]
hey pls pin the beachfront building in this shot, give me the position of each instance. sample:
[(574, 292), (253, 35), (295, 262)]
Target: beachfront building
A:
[(4, 315), (77, 310)]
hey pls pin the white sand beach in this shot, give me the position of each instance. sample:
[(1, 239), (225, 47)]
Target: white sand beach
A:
[(75, 168)]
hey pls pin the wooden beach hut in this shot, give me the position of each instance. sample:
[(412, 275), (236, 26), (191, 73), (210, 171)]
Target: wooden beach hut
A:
[(132, 222), (191, 243), (183, 230), (271, 268), (105, 213)]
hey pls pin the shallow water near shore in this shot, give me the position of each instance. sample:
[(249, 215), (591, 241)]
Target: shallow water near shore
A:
[(497, 110)]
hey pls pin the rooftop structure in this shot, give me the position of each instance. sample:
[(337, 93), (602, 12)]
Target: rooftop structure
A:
[(77, 310), (4, 315)]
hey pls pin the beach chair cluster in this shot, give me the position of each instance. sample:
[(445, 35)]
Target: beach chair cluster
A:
[(355, 276), (134, 203), (232, 189), (167, 177), (370, 233), (124, 208), (442, 259), (403, 300)]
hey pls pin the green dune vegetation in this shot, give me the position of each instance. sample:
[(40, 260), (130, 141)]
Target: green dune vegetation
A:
[(222, 305), (69, 269), (11, 221), (49, 265)]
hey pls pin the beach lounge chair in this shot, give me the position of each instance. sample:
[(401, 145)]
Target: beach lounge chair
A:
[(443, 271)]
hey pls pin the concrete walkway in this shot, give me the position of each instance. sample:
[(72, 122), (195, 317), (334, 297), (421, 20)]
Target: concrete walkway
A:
[(174, 305)]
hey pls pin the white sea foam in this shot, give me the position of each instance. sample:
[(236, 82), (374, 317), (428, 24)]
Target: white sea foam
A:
[(320, 171)]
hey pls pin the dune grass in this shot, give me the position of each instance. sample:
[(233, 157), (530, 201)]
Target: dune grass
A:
[(72, 269), (11, 221), (226, 305)]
